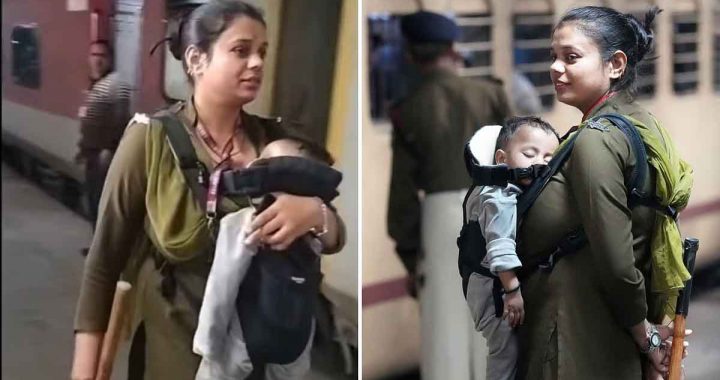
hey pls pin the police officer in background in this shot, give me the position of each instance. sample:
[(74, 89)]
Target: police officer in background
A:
[(430, 128)]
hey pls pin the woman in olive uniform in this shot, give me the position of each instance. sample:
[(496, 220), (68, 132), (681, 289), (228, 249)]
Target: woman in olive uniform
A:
[(588, 317), (147, 207)]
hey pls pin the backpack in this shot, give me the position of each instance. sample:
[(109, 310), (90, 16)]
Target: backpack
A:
[(277, 299), (471, 243)]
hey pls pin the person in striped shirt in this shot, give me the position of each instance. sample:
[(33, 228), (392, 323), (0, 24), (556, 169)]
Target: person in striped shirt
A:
[(103, 117)]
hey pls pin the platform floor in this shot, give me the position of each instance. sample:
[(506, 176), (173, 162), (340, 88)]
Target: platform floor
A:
[(41, 270)]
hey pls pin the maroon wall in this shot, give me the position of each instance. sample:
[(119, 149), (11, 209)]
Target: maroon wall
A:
[(63, 40)]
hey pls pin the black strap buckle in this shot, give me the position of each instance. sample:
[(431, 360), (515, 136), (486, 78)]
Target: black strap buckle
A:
[(671, 212), (531, 172), (638, 197)]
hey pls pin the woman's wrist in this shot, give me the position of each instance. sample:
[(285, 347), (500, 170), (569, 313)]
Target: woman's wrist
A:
[(334, 238), (641, 334), (321, 229)]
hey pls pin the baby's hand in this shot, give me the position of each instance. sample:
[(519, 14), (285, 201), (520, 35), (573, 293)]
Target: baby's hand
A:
[(514, 308)]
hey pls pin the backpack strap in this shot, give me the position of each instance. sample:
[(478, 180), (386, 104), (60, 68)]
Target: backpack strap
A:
[(195, 174), (636, 196), (194, 171)]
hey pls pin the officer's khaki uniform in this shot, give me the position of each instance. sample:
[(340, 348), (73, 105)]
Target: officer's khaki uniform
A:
[(430, 129), (125, 241), (577, 316)]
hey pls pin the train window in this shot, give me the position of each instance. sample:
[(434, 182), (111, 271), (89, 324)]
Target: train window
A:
[(685, 52), (25, 56), (475, 45), (531, 46), (390, 73)]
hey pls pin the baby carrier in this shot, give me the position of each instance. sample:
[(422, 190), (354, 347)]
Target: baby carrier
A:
[(277, 299), (471, 243)]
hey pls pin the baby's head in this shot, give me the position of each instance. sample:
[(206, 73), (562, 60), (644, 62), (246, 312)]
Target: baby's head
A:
[(525, 141), (298, 147)]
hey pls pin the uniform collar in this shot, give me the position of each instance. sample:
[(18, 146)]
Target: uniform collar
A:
[(608, 104)]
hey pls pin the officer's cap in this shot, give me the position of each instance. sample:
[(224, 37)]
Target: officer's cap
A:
[(429, 27)]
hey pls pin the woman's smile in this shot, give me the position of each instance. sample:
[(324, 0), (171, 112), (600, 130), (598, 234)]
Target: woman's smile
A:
[(561, 86)]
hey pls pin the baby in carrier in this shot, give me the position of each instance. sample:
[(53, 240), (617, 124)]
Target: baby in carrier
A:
[(522, 142), (258, 306)]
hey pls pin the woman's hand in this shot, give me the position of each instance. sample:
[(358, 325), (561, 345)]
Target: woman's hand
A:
[(87, 355), (659, 360), (288, 218)]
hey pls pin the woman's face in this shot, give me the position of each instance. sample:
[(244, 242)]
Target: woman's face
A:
[(235, 69), (578, 72)]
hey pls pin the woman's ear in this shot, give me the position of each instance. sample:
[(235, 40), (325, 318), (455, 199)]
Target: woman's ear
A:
[(195, 61), (500, 157), (617, 64)]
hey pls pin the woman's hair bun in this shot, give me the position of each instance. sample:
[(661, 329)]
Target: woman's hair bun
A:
[(174, 35), (643, 31)]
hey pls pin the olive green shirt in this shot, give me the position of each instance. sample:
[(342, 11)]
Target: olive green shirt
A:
[(578, 315), (124, 235), (430, 129)]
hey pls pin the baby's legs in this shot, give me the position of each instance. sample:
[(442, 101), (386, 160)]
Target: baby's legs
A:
[(501, 339)]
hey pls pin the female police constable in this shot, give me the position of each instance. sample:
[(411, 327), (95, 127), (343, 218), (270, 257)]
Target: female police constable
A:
[(588, 317), (147, 204)]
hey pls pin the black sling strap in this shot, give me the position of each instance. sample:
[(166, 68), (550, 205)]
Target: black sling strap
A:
[(195, 174), (528, 197), (194, 171)]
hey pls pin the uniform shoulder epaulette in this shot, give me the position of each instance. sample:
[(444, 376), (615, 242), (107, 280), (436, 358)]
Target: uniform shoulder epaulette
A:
[(600, 125), (140, 118)]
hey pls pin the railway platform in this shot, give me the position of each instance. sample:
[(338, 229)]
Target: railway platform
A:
[(41, 272)]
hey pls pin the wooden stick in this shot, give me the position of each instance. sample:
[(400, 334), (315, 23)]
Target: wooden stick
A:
[(677, 348), (113, 335), (690, 248)]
